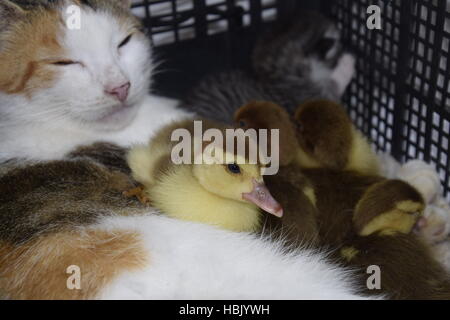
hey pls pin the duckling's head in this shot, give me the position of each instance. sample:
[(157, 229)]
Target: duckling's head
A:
[(239, 181), (268, 115), (388, 207), (324, 132)]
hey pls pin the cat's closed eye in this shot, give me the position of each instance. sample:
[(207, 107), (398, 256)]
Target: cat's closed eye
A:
[(64, 62), (125, 41)]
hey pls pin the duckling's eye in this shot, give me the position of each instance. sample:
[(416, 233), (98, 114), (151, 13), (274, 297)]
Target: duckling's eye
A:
[(234, 168), (299, 126), (242, 124)]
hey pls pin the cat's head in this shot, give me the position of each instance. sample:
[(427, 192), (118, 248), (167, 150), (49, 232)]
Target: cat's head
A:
[(84, 61), (295, 46)]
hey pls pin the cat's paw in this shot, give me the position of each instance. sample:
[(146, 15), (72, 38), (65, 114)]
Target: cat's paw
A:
[(442, 253), (344, 72), (423, 177), (138, 192), (434, 226)]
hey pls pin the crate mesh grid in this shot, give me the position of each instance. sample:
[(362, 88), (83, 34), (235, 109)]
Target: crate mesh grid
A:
[(370, 97), (405, 78), (428, 91), (174, 20), (400, 96)]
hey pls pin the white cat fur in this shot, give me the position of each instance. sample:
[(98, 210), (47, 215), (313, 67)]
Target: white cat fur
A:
[(195, 261)]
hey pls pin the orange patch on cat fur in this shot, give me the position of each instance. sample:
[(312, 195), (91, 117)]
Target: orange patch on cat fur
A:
[(29, 41), (37, 270)]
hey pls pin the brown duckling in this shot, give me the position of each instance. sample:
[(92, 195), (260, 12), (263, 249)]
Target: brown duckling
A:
[(367, 215), (342, 194), (336, 191), (328, 139), (298, 225), (388, 206), (289, 186), (335, 203), (384, 219), (268, 115), (407, 267)]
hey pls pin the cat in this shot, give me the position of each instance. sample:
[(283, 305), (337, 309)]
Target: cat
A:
[(71, 214), (60, 89), (296, 61)]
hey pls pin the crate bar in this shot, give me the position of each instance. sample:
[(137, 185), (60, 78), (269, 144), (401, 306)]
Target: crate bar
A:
[(256, 13), (371, 44), (325, 6), (234, 16), (403, 58), (201, 25), (173, 4), (430, 99), (147, 19), (286, 9)]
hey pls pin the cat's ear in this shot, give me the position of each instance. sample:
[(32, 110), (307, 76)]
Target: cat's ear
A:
[(10, 9), (9, 12), (126, 4)]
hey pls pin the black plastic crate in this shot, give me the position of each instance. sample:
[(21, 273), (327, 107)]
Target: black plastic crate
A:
[(400, 96)]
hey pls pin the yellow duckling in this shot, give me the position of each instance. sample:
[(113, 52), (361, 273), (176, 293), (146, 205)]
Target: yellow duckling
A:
[(228, 195)]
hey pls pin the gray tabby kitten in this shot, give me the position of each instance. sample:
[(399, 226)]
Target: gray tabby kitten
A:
[(295, 62)]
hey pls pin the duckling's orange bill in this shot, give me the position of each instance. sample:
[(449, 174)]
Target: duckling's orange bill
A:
[(261, 196)]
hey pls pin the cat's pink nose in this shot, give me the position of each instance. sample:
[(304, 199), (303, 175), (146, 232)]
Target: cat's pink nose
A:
[(120, 92)]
